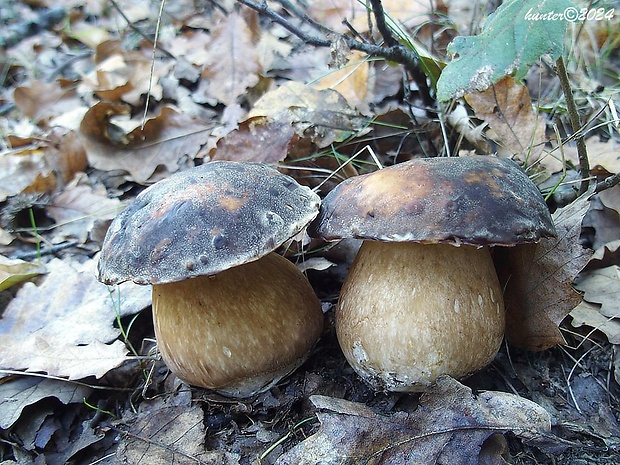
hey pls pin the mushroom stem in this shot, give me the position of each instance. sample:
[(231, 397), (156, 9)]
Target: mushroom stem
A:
[(409, 312), (240, 331)]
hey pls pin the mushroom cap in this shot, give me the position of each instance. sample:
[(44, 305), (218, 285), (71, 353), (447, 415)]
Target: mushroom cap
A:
[(204, 220), (476, 200)]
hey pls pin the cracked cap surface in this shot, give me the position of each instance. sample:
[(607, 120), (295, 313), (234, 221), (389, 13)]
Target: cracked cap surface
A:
[(204, 220), (477, 200)]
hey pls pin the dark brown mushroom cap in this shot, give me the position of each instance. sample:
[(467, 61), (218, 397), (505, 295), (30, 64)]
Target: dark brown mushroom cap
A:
[(477, 200), (203, 221)]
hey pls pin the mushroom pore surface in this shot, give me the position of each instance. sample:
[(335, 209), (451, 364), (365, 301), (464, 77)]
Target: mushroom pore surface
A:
[(410, 312), (240, 331)]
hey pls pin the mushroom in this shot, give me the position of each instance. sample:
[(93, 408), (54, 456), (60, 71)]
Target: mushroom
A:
[(422, 297), (248, 316)]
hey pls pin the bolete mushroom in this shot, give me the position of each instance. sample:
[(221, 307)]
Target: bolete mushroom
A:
[(422, 297), (249, 316)]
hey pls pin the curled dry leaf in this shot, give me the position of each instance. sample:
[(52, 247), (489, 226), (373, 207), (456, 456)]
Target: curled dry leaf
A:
[(168, 142), (65, 325), (450, 425), (538, 280), (352, 80)]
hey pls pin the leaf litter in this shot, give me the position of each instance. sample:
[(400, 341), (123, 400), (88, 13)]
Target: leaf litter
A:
[(232, 86)]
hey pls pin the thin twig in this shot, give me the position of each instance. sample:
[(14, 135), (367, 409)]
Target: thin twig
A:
[(582, 151), (152, 70), (396, 53), (608, 183), (138, 31)]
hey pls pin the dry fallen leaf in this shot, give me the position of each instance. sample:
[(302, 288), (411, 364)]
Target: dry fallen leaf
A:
[(538, 280), (25, 171), (602, 286), (65, 325), (590, 315), (18, 393), (42, 101), (122, 75), (78, 207), (331, 13), (602, 222), (256, 140), (507, 109), (167, 143), (451, 425), (600, 309), (16, 271), (352, 80), (321, 116), (168, 434), (232, 64)]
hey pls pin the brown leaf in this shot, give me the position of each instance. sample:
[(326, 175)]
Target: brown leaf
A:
[(538, 280), (232, 60), (25, 171), (167, 143), (450, 425), (352, 81), (507, 109), (66, 155), (78, 207), (256, 140), (64, 326), (331, 13), (124, 75), (42, 101), (18, 393), (168, 434), (322, 116)]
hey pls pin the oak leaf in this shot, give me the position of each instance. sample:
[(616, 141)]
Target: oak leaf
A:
[(232, 64), (450, 425), (507, 108), (65, 326), (168, 142), (538, 280)]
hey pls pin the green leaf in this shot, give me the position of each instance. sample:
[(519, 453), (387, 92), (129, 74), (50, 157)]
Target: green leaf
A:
[(513, 38)]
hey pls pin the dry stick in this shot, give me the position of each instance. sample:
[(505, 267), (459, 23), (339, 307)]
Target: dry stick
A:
[(608, 183), (582, 152), (396, 53), (388, 37)]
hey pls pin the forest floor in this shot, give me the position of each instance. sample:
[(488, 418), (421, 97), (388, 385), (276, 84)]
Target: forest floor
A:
[(310, 87)]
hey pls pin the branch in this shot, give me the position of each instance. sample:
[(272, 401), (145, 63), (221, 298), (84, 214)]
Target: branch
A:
[(608, 183), (396, 53), (582, 151)]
